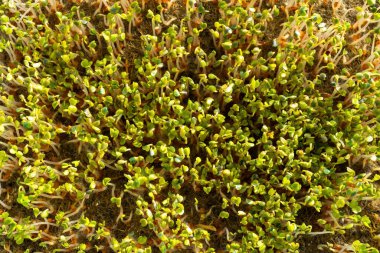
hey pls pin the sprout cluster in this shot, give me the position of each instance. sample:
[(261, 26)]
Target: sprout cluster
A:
[(188, 126)]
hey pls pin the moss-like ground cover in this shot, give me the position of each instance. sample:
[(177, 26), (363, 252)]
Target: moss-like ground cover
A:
[(189, 126)]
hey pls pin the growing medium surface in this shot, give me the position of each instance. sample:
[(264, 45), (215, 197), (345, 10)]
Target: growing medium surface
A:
[(189, 126)]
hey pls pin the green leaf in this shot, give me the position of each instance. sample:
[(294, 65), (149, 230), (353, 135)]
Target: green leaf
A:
[(27, 125), (19, 239), (330, 66), (142, 239), (143, 222), (179, 208), (371, 2), (150, 14), (86, 63), (65, 58), (198, 160), (355, 207), (176, 93), (4, 19), (296, 186), (326, 171), (207, 190), (366, 221), (72, 109), (376, 178), (114, 132), (236, 200), (340, 202), (220, 119), (3, 158), (227, 45), (92, 44), (285, 181), (224, 215)]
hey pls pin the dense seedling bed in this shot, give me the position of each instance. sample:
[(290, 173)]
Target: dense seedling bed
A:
[(189, 126)]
